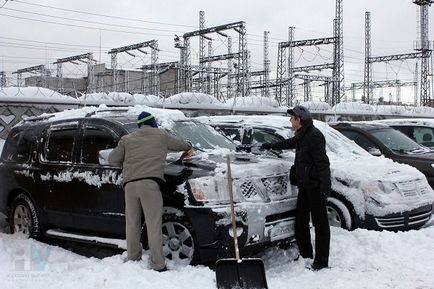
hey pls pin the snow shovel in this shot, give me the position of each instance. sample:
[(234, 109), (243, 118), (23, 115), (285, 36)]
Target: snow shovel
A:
[(239, 273)]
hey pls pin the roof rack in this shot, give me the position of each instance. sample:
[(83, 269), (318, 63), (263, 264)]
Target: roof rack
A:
[(38, 118), (112, 109)]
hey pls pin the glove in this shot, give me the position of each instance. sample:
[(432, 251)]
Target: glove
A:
[(266, 146)]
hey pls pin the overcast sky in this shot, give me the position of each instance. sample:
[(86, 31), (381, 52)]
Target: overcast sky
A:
[(25, 42)]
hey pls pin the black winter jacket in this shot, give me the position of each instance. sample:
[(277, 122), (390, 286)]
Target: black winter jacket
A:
[(312, 166)]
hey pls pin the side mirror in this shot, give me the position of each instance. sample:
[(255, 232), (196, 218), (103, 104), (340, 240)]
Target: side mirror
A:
[(103, 156), (375, 152)]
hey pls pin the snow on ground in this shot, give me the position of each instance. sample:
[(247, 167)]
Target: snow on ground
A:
[(358, 259)]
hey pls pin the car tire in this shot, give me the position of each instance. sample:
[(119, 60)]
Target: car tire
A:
[(179, 242), (339, 214), (24, 217)]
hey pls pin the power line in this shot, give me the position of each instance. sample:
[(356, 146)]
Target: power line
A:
[(107, 16), (82, 26), (91, 22)]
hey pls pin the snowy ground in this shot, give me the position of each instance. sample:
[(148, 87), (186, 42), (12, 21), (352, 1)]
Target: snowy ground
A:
[(358, 259)]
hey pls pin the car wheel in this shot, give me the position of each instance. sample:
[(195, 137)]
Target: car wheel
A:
[(338, 214), (178, 239), (24, 218)]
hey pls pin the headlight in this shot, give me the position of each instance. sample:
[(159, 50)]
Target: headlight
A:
[(388, 187), (208, 189)]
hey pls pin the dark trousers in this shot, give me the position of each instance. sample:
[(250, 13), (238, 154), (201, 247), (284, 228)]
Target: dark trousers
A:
[(311, 202)]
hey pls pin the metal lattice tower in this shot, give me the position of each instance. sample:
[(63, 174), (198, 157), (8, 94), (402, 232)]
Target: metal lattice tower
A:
[(367, 87), (266, 91), (423, 46), (242, 68), (86, 58), (2, 79), (416, 80), (230, 70), (291, 81), (201, 51), (338, 71), (243, 63), (281, 74), (209, 76)]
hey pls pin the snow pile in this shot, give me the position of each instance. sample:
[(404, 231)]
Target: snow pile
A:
[(316, 106), (252, 102), (358, 259), (393, 110), (150, 100), (423, 111), (353, 108), (34, 94)]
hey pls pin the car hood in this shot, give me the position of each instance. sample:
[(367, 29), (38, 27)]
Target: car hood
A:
[(368, 169)]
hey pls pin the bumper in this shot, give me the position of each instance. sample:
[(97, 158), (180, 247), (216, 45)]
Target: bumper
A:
[(258, 225), (413, 219)]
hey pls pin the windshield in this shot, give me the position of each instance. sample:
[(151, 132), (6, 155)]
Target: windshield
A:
[(396, 140), (200, 135)]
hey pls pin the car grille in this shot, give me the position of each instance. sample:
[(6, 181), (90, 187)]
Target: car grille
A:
[(396, 222), (271, 188)]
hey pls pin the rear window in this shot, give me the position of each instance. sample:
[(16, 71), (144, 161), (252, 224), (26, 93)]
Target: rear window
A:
[(18, 147)]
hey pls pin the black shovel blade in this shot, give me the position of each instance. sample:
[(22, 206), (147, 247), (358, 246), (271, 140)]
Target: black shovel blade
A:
[(249, 273)]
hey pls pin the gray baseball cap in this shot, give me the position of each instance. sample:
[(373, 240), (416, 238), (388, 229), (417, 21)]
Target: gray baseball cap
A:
[(299, 111)]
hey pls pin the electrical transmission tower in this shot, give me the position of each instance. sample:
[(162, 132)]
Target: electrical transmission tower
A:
[(283, 78), (367, 79), (151, 83), (338, 70), (2, 79), (86, 58), (34, 69), (423, 45), (242, 68)]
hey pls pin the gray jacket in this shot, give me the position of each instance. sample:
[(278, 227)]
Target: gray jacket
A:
[(142, 153)]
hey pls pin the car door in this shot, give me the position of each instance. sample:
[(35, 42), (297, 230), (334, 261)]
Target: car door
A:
[(98, 197), (57, 161)]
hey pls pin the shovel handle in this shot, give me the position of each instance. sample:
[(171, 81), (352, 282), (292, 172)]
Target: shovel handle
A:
[(231, 198)]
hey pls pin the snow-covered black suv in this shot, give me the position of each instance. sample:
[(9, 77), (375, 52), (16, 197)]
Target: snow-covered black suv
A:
[(55, 184)]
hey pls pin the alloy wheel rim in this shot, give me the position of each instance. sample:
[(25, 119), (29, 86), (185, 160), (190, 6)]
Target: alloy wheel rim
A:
[(178, 244), (334, 217), (22, 220)]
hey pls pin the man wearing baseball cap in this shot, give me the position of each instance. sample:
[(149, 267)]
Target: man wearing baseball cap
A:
[(311, 174)]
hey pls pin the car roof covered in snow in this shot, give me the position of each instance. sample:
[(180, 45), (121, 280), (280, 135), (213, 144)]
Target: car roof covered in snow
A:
[(119, 113), (428, 122)]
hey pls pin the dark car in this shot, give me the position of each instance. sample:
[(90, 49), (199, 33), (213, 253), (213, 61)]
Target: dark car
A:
[(54, 184), (380, 139), (420, 130), (367, 192)]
